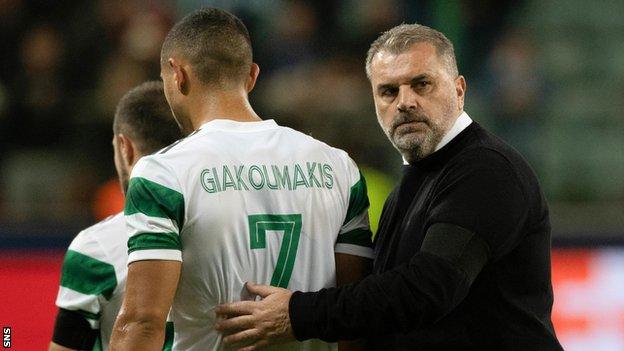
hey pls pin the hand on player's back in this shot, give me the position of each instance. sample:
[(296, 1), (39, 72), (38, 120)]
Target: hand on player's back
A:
[(253, 325)]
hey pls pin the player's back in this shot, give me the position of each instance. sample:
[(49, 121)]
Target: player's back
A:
[(261, 203)]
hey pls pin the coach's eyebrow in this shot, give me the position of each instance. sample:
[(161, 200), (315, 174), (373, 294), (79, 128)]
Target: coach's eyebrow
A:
[(420, 77), (413, 80)]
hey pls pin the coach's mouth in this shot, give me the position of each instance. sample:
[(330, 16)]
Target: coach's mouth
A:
[(411, 126)]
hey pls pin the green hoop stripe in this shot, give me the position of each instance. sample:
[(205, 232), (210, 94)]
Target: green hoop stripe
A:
[(154, 241), (358, 199), (169, 333), (154, 200), (360, 237), (88, 275)]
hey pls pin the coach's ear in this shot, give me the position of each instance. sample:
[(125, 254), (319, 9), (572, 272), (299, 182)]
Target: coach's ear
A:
[(460, 89), (128, 151)]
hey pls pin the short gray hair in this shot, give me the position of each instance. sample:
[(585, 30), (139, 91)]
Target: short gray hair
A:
[(400, 38)]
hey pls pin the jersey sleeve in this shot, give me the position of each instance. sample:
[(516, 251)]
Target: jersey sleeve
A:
[(154, 213), (87, 279), (355, 237)]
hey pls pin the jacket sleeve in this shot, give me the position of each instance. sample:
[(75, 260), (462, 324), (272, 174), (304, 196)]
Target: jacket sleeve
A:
[(473, 218)]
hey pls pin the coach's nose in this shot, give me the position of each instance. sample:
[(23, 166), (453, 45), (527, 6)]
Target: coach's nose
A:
[(407, 98)]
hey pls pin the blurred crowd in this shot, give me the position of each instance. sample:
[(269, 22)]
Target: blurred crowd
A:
[(65, 64)]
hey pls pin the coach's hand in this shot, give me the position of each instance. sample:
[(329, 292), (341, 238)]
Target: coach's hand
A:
[(257, 324)]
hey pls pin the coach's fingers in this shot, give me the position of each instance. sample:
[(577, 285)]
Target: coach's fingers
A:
[(229, 326), (245, 337), (261, 290), (239, 308)]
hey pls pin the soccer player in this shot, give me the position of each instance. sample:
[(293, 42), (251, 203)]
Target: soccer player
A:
[(241, 199), (94, 270)]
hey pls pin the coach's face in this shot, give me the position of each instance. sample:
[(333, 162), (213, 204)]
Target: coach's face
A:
[(417, 98)]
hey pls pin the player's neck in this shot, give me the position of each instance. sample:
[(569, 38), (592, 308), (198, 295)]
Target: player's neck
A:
[(232, 105)]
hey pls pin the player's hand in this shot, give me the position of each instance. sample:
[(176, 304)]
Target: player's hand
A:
[(256, 324)]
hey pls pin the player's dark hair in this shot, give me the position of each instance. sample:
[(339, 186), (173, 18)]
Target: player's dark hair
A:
[(144, 115), (216, 44)]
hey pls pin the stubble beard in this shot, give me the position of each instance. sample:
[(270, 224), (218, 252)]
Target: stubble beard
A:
[(415, 142)]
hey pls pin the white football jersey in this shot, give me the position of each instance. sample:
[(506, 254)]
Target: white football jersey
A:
[(245, 201), (93, 277)]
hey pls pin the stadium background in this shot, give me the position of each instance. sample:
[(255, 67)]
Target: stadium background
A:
[(546, 75)]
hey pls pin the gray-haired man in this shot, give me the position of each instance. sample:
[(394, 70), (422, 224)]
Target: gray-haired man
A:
[(463, 248)]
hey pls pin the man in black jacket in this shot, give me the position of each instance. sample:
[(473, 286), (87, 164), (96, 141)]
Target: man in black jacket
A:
[(463, 249)]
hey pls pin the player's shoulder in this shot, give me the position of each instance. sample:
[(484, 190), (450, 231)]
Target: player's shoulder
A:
[(155, 164), (100, 236), (172, 150), (346, 166), (305, 140)]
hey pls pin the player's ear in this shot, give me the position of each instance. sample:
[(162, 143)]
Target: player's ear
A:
[(128, 150), (254, 72), (180, 75)]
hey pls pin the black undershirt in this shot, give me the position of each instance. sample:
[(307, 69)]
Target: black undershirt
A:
[(462, 260), (72, 330)]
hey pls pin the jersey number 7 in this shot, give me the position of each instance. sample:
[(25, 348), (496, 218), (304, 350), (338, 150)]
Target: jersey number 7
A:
[(290, 225)]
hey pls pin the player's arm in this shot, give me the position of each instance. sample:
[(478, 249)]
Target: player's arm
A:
[(353, 251), (353, 247), (154, 213), (149, 294), (351, 269)]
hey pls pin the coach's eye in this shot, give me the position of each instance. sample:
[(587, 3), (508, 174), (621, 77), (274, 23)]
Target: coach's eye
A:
[(389, 92), (422, 84)]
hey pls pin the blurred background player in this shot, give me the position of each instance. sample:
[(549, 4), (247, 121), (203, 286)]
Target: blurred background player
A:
[(239, 199), (95, 266)]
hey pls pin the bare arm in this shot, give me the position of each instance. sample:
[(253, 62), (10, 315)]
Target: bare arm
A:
[(351, 269), (149, 294)]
